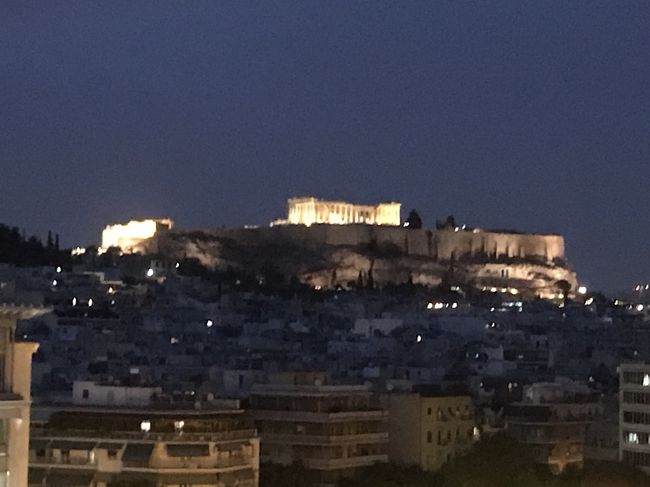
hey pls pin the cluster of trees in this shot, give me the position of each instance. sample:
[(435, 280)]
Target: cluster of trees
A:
[(17, 249), (495, 461)]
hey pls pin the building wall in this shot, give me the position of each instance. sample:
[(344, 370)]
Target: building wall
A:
[(439, 244), (404, 428), (634, 415), (15, 362), (428, 431), (113, 395)]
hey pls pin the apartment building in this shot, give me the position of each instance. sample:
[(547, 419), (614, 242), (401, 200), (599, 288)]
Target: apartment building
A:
[(634, 415), (552, 419), (332, 429), (100, 446), (428, 428), (15, 395)]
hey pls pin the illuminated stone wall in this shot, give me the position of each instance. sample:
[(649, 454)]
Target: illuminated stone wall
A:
[(438, 244), (130, 236), (308, 211)]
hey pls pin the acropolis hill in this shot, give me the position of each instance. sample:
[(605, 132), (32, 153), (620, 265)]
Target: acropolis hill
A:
[(333, 248)]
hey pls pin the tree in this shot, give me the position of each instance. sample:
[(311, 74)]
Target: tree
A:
[(391, 475), (294, 475), (414, 220), (448, 224), (565, 287), (495, 461)]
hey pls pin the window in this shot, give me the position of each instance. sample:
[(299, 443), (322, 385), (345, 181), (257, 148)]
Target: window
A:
[(85, 393), (429, 437), (112, 454), (439, 437), (428, 411)]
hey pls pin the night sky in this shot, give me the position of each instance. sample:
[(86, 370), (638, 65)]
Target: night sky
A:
[(532, 115)]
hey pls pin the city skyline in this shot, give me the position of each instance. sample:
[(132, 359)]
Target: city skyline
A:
[(506, 115)]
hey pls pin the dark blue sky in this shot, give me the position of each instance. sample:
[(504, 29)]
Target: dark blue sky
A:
[(518, 114)]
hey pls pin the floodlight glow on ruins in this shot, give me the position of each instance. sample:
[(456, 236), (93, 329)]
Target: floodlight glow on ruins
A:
[(309, 210), (130, 236)]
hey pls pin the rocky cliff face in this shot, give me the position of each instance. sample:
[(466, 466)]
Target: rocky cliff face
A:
[(320, 263)]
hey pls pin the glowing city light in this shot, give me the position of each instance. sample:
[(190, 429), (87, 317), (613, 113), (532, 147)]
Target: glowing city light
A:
[(418, 339), (145, 426), (90, 302), (582, 290), (58, 270), (209, 323), (150, 272), (77, 251)]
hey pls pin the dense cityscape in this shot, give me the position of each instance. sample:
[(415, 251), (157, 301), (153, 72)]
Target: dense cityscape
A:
[(151, 367)]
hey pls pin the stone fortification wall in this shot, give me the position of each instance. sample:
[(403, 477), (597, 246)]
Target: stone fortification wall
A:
[(438, 244)]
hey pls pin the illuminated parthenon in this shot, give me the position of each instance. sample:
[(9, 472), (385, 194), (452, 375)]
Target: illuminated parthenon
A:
[(309, 210)]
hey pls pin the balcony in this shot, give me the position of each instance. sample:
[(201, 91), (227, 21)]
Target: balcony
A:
[(340, 463), (325, 440), (290, 416), (64, 462), (10, 396), (205, 465), (47, 433)]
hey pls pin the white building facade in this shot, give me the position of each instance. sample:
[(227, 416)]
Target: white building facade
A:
[(634, 415)]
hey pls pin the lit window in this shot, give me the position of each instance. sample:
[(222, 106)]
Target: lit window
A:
[(646, 380), (633, 438), (145, 426)]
